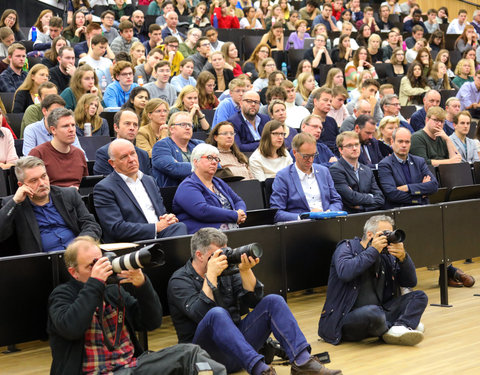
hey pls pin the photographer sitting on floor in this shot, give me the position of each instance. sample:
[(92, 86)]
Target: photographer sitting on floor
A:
[(206, 309)]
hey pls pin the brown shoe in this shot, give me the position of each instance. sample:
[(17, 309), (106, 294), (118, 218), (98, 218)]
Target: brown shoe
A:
[(466, 280), (454, 283), (270, 371), (312, 367)]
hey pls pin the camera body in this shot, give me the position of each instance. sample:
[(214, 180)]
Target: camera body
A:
[(393, 236), (234, 256)]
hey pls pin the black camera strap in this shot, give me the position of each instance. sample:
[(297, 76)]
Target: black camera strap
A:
[(118, 325)]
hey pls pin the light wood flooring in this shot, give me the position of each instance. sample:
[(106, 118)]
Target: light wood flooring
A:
[(451, 345)]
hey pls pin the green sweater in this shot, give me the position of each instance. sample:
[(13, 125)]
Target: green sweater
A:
[(32, 114), (428, 148)]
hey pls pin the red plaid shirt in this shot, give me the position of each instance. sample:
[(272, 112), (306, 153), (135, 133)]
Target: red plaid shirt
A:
[(97, 358)]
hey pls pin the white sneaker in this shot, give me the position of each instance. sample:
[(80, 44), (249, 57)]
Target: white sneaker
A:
[(401, 335), (420, 327)]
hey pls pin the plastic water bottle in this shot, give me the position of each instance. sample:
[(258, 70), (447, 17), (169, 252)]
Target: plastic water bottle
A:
[(215, 20), (103, 84), (34, 34), (87, 129), (284, 69), (140, 80)]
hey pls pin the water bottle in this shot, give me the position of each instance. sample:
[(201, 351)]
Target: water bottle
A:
[(34, 33), (284, 69), (140, 80), (104, 84), (215, 20), (87, 129)]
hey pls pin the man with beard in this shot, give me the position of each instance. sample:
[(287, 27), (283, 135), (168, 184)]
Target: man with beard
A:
[(370, 152)]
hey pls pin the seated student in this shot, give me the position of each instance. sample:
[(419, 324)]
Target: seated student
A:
[(161, 88), (187, 101), (271, 156), (12, 77), (34, 111), (83, 81), (95, 58), (465, 146), (50, 57), (431, 99), (113, 196), (224, 19), (83, 6), (230, 106), (361, 305), (82, 48), (88, 111), (230, 53), (416, 20), (171, 156), (172, 55), (200, 58), (368, 92), (462, 73), (10, 19), (203, 200), (290, 195), (154, 38), (413, 86), (8, 154), (7, 38), (206, 91), (185, 77), (277, 111), (122, 10), (468, 94), (124, 41), (36, 204), (339, 111), (322, 102), (145, 71), (61, 73), (27, 92), (45, 41), (108, 19), (222, 75), (154, 124), (137, 100), (354, 181), (117, 93), (187, 48), (125, 124), (361, 61), (75, 32)]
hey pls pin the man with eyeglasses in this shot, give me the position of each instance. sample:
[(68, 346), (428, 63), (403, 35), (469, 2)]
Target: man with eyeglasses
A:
[(109, 32), (172, 55), (432, 143), (161, 88), (370, 154), (171, 156), (200, 59), (118, 92), (303, 186), (431, 99), (390, 105), (312, 124), (354, 181), (128, 203), (248, 123), (125, 124), (230, 106)]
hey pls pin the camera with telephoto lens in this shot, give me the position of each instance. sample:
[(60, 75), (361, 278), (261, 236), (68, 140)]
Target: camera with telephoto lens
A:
[(393, 236), (147, 257), (234, 256)]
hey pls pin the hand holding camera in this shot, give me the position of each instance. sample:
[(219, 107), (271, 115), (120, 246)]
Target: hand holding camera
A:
[(135, 277), (379, 241), (248, 262), (217, 264), (397, 250), (102, 269)]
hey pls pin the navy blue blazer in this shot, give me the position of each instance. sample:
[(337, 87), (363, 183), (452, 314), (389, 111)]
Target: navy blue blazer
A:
[(329, 134), (324, 155), (198, 207), (169, 169), (417, 121), (243, 136), (357, 195), (391, 175), (102, 167), (166, 32), (406, 125), (288, 196), (119, 213), (374, 152)]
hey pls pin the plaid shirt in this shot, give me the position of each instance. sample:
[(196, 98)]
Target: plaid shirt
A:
[(10, 81), (97, 358)]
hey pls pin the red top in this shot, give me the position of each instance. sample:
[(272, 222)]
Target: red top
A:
[(237, 70), (227, 22), (5, 125)]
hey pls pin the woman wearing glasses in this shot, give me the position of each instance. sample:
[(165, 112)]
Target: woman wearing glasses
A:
[(223, 137), (271, 155), (203, 200)]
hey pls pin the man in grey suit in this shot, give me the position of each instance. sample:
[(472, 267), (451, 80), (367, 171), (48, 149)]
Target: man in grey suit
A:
[(45, 218), (354, 181), (362, 107), (466, 147)]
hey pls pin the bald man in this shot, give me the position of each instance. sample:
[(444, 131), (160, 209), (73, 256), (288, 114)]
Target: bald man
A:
[(128, 203)]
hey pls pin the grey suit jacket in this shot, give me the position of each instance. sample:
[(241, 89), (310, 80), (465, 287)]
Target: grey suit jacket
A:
[(470, 154)]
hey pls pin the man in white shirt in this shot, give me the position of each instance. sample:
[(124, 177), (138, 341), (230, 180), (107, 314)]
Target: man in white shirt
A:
[(128, 203), (295, 113), (458, 24), (94, 58)]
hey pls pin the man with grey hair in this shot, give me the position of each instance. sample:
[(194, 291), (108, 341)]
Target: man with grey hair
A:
[(42, 217), (65, 163), (363, 297), (390, 105), (431, 99), (206, 307), (362, 107), (171, 156), (128, 203)]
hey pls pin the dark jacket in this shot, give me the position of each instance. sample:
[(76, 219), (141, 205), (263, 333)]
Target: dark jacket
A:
[(70, 312), (102, 167), (227, 76), (390, 175), (358, 195), (243, 136), (20, 219), (349, 262), (374, 152)]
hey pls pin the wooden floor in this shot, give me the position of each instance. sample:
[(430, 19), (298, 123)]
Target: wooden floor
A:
[(451, 345)]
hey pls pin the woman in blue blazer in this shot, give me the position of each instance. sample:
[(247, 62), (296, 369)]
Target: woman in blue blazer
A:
[(203, 200)]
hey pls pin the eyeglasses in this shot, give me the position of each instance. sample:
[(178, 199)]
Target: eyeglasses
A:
[(226, 134), (307, 157), (184, 125), (351, 145), (283, 135), (251, 101), (395, 104), (436, 120), (211, 158)]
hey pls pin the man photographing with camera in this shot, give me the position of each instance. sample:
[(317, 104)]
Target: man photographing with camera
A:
[(92, 323), (206, 308), (363, 298)]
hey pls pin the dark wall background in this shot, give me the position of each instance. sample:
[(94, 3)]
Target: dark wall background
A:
[(28, 10)]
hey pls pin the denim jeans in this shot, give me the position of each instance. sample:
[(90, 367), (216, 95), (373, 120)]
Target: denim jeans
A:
[(374, 321), (236, 346)]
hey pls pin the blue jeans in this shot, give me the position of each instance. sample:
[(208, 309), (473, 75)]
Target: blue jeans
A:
[(374, 321), (236, 346)]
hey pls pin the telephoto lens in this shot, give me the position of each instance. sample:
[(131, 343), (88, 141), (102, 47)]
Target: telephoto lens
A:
[(234, 256)]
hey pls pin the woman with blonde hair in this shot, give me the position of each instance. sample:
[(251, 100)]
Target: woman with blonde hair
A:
[(27, 92), (88, 111), (267, 67), (444, 56), (252, 65), (374, 48), (230, 53), (154, 124), (306, 84), (137, 53), (206, 91), (385, 134), (41, 24), (438, 79), (462, 73), (83, 81), (334, 78), (274, 38), (187, 101)]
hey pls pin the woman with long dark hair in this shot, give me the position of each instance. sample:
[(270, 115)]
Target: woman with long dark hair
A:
[(413, 86), (139, 96), (10, 18), (75, 33), (50, 56)]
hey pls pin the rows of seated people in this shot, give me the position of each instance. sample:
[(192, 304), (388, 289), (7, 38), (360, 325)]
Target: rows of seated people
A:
[(319, 137)]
